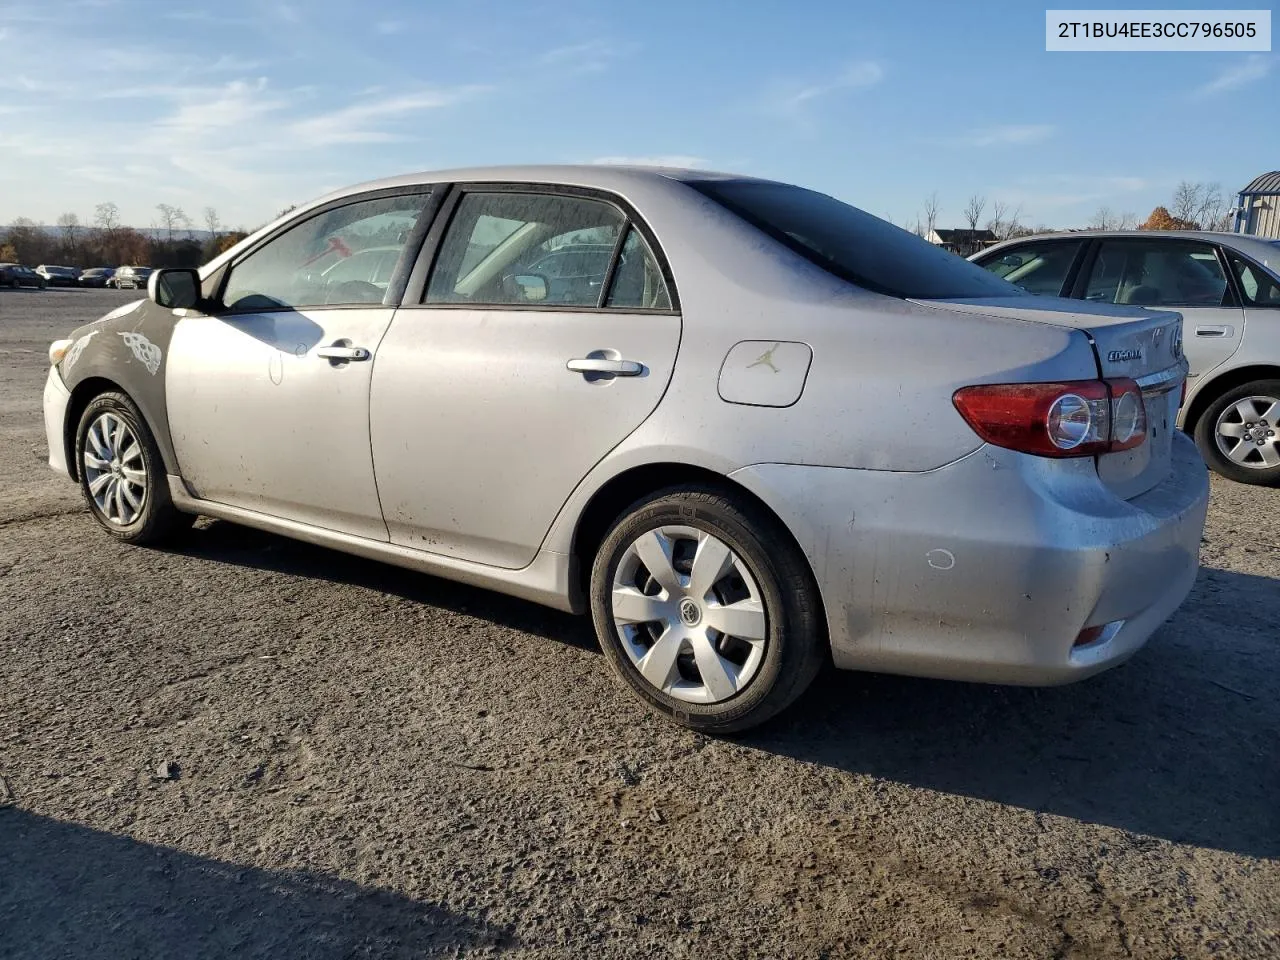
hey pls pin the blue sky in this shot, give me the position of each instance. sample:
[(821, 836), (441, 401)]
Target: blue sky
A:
[(250, 105)]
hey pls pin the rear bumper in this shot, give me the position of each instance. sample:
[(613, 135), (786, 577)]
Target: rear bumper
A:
[(988, 569), (56, 398)]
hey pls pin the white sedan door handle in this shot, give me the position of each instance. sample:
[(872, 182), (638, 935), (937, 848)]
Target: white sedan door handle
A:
[(1214, 330), (343, 354), (619, 368)]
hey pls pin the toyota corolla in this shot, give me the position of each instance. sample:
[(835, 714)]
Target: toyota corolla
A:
[(762, 429)]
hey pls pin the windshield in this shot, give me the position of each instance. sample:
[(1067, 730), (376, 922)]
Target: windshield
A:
[(852, 244)]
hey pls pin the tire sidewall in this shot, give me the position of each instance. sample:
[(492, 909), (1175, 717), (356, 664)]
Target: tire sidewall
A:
[(1206, 435), (676, 510), (124, 408)]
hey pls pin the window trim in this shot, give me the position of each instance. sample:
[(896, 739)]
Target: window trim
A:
[(419, 279), (1086, 269), (1068, 279), (215, 285)]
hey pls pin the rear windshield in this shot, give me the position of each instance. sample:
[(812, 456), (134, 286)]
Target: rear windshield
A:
[(854, 245)]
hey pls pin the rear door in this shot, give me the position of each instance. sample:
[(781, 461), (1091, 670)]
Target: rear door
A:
[(497, 393), (1188, 276)]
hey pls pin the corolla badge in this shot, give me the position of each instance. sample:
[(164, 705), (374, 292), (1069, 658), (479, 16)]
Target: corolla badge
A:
[(1119, 356), (146, 352)]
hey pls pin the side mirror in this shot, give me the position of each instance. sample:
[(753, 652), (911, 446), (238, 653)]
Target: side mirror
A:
[(529, 287), (175, 287)]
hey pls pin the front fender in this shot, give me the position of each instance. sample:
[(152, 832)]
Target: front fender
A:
[(129, 347)]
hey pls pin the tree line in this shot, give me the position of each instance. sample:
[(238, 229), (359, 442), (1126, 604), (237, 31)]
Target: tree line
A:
[(107, 242), (1194, 206)]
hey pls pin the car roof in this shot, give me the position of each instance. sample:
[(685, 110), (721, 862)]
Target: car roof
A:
[(1264, 248), (605, 176)]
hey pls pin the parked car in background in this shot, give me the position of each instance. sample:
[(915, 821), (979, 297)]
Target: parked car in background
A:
[(767, 429), (59, 276), (1227, 288), (15, 275), (96, 276), (129, 278)]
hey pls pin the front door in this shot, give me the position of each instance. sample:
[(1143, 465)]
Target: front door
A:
[(546, 336), (268, 394)]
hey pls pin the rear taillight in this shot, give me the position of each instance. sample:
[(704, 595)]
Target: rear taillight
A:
[(1082, 418)]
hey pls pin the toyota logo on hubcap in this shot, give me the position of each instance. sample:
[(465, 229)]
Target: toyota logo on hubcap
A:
[(689, 612)]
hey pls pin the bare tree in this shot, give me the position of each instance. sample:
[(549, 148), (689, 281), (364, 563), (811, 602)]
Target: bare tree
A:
[(171, 218), (1211, 210), (213, 222), (70, 225), (106, 217), (931, 213), (973, 210), (1128, 221), (1104, 219), (1186, 202), (1004, 223)]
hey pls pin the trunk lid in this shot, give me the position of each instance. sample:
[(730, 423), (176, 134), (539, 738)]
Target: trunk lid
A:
[(1135, 342)]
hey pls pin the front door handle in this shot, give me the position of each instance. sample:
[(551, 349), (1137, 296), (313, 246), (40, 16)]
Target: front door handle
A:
[(1214, 330), (617, 368), (340, 353)]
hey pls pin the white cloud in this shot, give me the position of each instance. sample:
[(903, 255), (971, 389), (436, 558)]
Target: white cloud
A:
[(1241, 74), (656, 160), (235, 105), (358, 123), (789, 99), (588, 57), (1008, 135)]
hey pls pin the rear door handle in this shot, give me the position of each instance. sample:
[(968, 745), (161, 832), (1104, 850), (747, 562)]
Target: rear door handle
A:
[(342, 353), (619, 368), (1215, 330)]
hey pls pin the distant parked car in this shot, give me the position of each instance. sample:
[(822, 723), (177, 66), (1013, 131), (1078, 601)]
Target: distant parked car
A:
[(59, 276), (15, 275), (96, 276), (1227, 288), (130, 278)]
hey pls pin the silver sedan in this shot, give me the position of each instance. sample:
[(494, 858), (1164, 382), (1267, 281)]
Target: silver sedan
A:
[(746, 426)]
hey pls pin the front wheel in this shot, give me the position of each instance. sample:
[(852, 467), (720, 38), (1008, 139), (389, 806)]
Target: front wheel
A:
[(122, 475), (706, 609), (1239, 434)]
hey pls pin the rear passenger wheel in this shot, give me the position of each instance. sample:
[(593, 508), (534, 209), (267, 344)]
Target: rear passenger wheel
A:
[(122, 475), (699, 617), (1239, 434)]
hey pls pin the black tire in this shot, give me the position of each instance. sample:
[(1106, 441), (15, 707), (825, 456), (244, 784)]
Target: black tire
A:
[(1206, 434), (157, 520), (795, 642)]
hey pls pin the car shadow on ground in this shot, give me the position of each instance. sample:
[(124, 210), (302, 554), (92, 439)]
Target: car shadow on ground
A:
[(68, 890), (243, 546), (1180, 743)]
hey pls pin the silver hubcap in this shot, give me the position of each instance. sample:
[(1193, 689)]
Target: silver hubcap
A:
[(689, 614), (114, 469), (1247, 432)]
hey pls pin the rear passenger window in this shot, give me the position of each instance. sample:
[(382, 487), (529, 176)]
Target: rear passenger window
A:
[(1158, 273), (510, 249), (638, 282), (1040, 268), (1260, 289)]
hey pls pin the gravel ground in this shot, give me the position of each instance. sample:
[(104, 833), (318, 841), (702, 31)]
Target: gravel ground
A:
[(252, 747)]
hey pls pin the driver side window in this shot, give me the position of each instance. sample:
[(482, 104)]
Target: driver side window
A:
[(339, 257)]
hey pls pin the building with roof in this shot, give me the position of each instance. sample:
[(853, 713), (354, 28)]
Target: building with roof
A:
[(1258, 207), (963, 242)]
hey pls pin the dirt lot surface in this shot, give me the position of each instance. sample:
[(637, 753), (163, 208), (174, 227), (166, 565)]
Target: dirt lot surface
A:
[(250, 747)]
